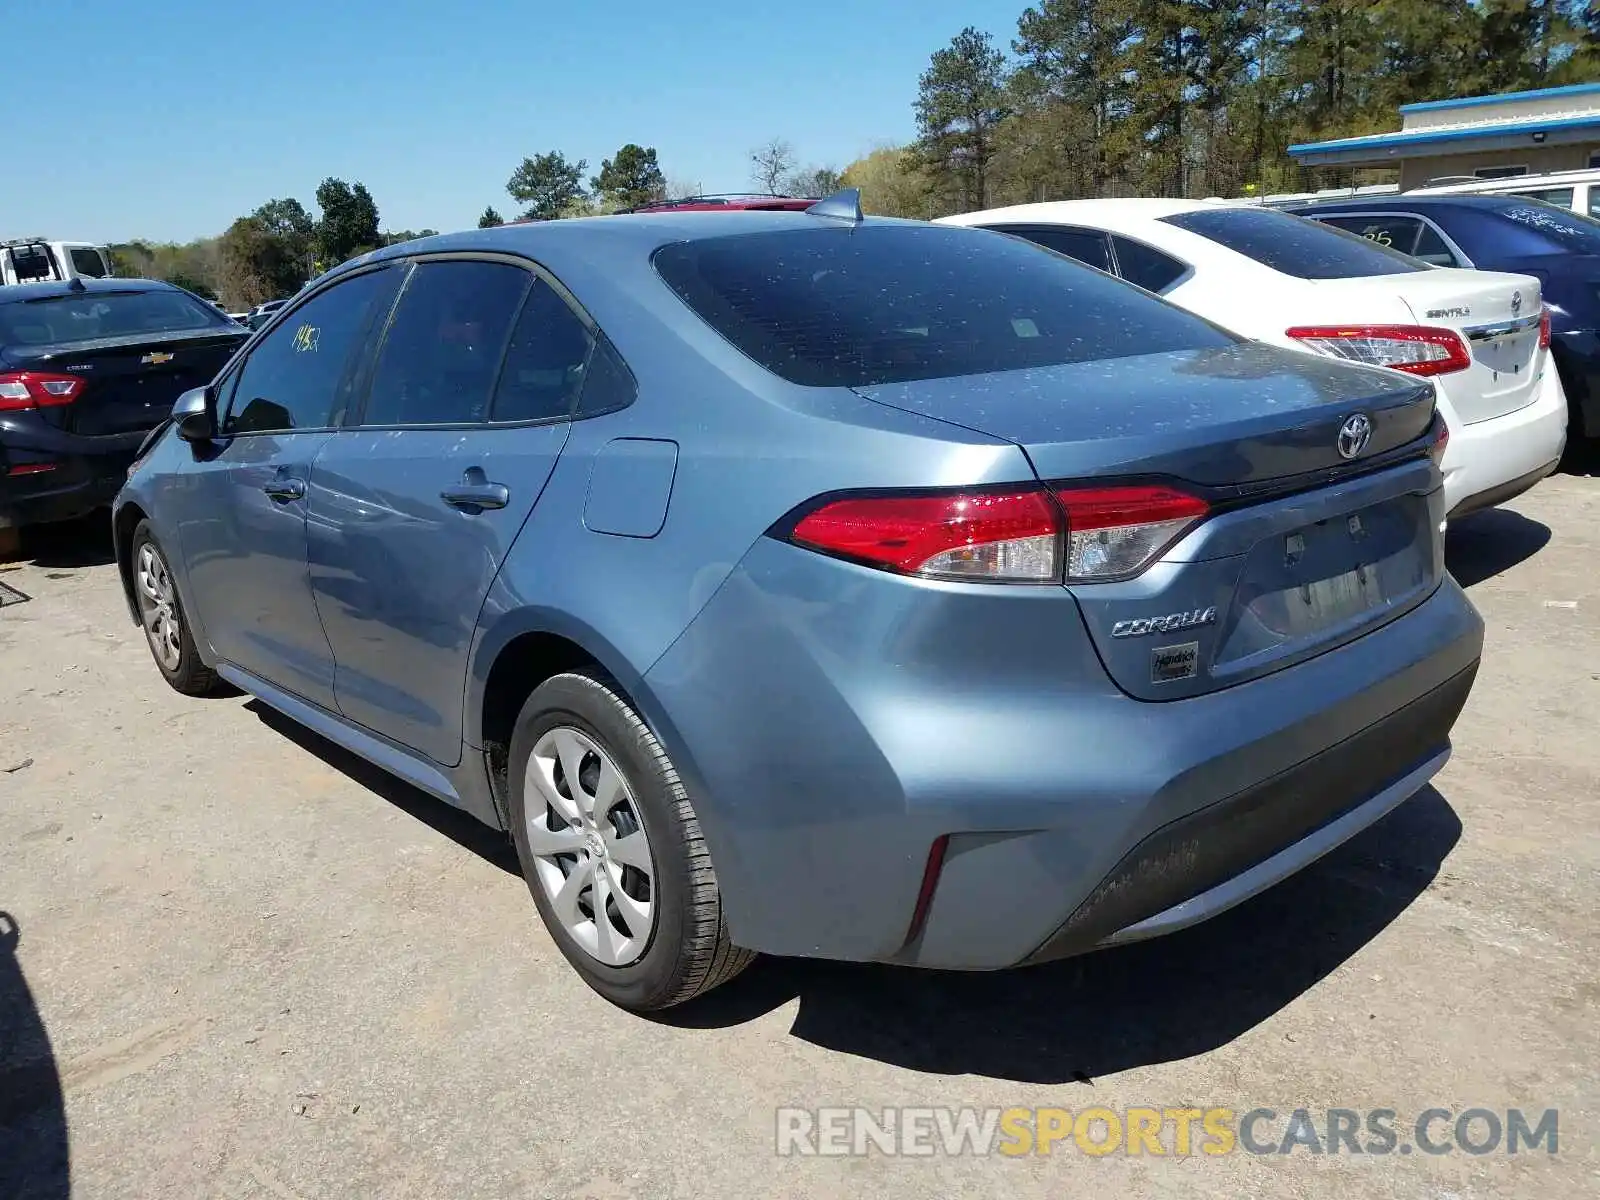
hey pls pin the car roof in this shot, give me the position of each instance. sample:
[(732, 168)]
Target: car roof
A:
[(1100, 214), (1407, 201), (581, 244), (81, 286), (729, 204)]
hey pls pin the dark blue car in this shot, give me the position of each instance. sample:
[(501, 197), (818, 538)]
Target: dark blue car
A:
[(1503, 233)]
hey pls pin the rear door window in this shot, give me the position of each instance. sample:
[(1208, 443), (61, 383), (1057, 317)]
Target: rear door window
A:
[(546, 361), (87, 262), (297, 376), (1297, 246), (1146, 266), (863, 305), (442, 353), (1433, 249), (1088, 246), (1390, 231)]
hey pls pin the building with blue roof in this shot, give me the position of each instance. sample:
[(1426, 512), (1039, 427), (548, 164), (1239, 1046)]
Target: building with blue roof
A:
[(1483, 137)]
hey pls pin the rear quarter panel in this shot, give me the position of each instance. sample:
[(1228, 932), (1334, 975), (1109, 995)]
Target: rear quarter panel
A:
[(750, 448)]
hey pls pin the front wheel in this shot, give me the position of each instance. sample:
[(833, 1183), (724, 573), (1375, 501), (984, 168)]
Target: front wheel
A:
[(612, 850), (166, 630)]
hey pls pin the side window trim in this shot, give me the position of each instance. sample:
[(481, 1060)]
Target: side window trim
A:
[(237, 367), (377, 337), (1116, 263), (1429, 222)]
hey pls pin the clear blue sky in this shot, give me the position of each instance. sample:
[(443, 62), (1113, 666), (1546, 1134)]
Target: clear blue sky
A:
[(166, 119)]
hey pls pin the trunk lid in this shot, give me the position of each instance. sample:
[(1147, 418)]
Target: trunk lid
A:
[(1496, 313), (1227, 417), (1303, 550), (129, 383)]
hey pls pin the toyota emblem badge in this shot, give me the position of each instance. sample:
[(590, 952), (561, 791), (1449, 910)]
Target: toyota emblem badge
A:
[(1354, 435)]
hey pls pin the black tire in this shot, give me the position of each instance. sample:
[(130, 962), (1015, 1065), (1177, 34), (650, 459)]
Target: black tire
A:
[(188, 674), (688, 952)]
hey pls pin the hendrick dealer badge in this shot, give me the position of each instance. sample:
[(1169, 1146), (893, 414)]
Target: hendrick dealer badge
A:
[(1169, 664)]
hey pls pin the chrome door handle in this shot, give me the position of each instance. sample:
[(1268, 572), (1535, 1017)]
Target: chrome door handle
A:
[(286, 489)]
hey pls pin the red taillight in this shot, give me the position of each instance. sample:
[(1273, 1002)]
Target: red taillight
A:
[(36, 389), (1011, 536), (30, 468), (1024, 535), (1116, 532), (1544, 328), (1414, 349), (1441, 439)]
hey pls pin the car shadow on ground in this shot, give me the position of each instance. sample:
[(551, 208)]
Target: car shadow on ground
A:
[(465, 830), (68, 545), (34, 1159), (1487, 543), (1073, 1021), (1085, 1018)]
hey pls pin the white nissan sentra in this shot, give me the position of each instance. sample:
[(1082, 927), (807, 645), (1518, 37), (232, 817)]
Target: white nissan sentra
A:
[(1482, 337)]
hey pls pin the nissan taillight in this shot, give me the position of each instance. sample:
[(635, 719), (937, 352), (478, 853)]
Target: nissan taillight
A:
[(1414, 349), (1544, 328), (1029, 534), (36, 389)]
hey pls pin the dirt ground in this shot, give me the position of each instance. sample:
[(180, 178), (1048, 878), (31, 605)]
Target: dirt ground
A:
[(236, 962)]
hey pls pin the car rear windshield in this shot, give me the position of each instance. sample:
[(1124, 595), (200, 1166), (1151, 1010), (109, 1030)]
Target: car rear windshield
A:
[(854, 306), (1546, 229), (1294, 245), (87, 316)]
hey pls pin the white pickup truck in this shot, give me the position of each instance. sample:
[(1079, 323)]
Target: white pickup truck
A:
[(32, 260)]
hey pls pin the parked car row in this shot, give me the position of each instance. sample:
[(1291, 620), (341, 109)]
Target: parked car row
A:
[(812, 584), (1481, 337), (1559, 248), (87, 368)]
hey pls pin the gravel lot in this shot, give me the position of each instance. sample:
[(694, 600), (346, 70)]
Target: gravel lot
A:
[(265, 969)]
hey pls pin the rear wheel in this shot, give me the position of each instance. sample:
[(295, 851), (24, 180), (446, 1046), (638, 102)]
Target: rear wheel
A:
[(166, 630), (612, 850)]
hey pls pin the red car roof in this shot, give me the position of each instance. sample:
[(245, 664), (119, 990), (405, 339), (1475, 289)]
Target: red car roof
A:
[(730, 203)]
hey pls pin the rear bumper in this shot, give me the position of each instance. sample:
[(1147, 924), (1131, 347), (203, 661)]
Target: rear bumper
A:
[(1202, 864), (84, 472), (1489, 462), (833, 722)]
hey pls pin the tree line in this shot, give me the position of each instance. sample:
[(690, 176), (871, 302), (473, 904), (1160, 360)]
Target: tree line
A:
[(270, 253), (1086, 98), (1200, 97), (550, 186)]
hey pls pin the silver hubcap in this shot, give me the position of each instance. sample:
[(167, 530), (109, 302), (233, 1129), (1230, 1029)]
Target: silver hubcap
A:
[(590, 850), (158, 606)]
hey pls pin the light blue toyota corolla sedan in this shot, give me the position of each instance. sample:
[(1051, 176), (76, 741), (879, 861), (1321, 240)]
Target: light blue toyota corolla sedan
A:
[(811, 585)]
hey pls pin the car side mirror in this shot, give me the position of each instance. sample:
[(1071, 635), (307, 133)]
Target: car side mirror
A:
[(192, 415)]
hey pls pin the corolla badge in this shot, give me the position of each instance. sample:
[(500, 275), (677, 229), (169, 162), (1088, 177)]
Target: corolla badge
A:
[(1354, 435), (1170, 623)]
